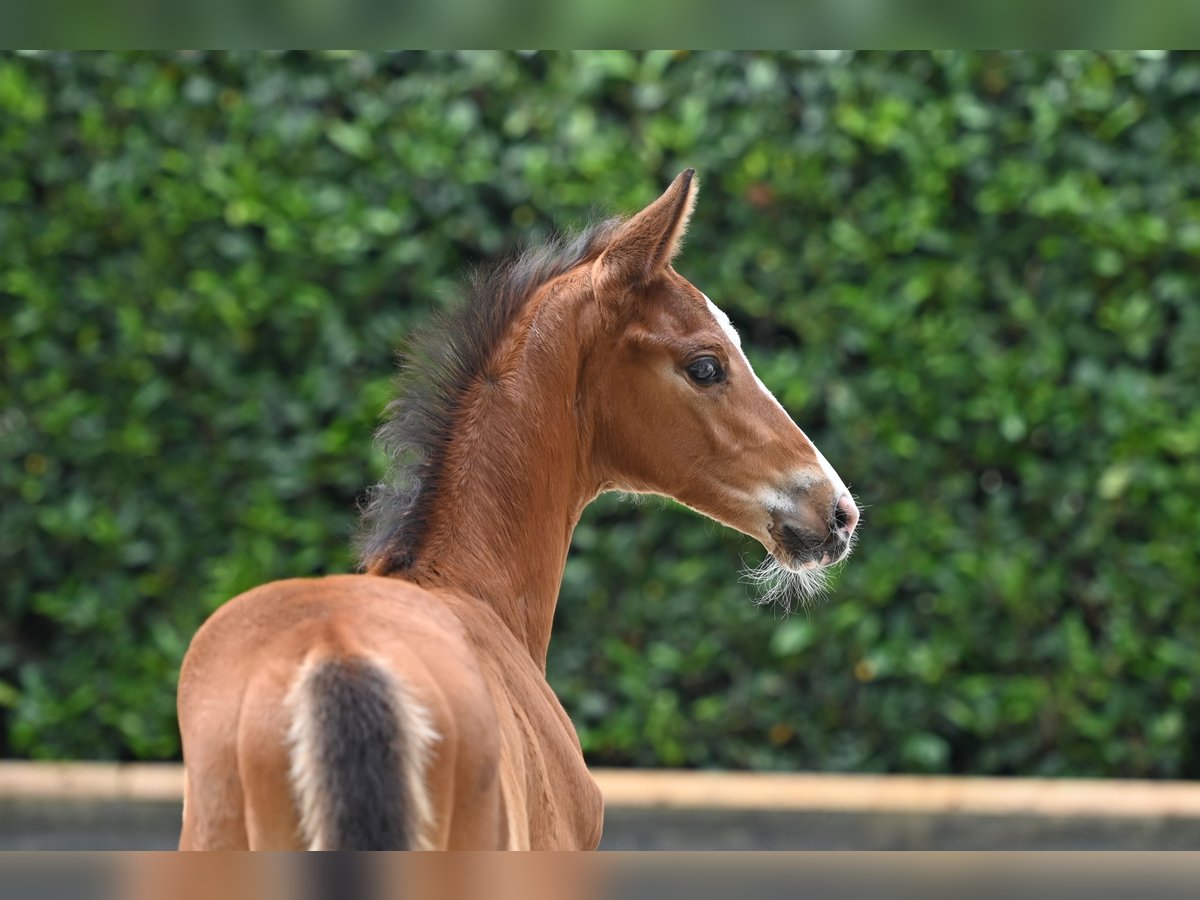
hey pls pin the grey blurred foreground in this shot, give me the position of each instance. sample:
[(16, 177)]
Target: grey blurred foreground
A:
[(28, 824)]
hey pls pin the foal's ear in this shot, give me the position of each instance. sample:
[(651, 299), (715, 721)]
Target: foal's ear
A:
[(646, 244)]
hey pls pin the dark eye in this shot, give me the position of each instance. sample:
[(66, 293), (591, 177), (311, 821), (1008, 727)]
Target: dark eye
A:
[(705, 370)]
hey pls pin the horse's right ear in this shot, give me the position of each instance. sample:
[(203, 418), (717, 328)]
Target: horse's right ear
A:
[(645, 245)]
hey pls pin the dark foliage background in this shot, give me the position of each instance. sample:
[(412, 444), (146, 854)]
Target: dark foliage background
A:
[(971, 277)]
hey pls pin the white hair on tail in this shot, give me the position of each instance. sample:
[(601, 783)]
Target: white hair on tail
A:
[(416, 724), (308, 780), (306, 776)]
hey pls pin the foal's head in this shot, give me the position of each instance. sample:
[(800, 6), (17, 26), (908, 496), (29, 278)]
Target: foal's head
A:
[(681, 413)]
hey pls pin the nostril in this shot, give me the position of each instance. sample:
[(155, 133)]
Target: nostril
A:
[(845, 514), (839, 518)]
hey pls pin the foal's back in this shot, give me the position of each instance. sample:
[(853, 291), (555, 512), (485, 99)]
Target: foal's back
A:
[(355, 709)]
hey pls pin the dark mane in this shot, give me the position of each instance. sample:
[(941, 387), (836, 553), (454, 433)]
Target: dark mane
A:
[(440, 363)]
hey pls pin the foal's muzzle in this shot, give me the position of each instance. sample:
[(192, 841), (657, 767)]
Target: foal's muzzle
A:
[(809, 545)]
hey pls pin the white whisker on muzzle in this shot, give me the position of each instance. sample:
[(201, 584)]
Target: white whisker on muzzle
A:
[(783, 588)]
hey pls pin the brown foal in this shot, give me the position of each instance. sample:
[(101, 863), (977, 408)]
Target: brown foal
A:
[(408, 707)]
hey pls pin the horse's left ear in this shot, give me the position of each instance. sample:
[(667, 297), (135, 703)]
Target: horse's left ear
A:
[(646, 244)]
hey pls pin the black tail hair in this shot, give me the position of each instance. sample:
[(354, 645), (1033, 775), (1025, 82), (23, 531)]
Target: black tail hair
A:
[(360, 753)]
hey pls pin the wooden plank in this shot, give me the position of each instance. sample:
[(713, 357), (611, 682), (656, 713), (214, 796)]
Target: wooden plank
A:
[(635, 789), (91, 781), (899, 794)]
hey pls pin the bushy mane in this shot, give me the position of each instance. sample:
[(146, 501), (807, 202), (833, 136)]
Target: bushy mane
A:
[(440, 363)]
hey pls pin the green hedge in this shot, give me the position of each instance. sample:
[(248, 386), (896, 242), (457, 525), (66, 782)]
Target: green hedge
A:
[(972, 278)]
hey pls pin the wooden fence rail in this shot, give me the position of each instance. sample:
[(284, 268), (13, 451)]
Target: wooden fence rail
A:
[(672, 789)]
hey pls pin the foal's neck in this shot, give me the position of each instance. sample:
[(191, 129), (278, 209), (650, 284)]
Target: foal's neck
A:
[(517, 474)]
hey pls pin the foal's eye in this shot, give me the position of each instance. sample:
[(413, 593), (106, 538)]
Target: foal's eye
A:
[(705, 370)]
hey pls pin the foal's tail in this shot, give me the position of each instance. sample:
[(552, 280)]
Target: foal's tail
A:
[(358, 750)]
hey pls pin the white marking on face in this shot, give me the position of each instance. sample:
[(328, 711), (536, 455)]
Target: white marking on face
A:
[(776, 500), (771, 496), (723, 321)]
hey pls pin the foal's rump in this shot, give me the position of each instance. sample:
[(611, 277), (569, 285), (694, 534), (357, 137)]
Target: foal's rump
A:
[(345, 711), (359, 746)]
